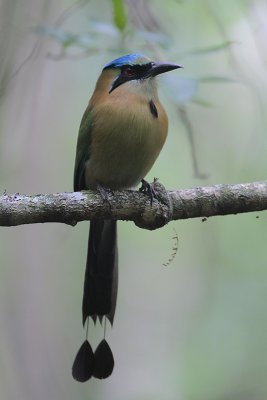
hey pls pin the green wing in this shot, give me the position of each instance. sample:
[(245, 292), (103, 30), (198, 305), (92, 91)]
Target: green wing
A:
[(83, 150)]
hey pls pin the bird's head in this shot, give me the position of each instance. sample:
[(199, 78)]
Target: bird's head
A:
[(137, 69)]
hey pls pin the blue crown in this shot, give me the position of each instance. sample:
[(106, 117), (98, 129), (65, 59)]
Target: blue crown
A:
[(129, 59)]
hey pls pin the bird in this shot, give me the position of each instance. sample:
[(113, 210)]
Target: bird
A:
[(121, 134)]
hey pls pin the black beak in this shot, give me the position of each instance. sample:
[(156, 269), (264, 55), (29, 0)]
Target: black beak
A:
[(143, 72), (161, 68)]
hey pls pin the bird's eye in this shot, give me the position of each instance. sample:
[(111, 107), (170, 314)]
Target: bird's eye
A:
[(128, 71)]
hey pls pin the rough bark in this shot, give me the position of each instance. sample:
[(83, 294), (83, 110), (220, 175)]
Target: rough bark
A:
[(70, 208)]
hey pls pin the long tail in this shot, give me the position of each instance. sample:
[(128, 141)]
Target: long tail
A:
[(101, 274), (99, 298)]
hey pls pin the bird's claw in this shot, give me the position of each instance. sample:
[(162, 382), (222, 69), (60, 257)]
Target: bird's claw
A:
[(104, 192), (148, 189)]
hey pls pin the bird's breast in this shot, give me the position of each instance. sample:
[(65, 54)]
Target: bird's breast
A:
[(127, 136)]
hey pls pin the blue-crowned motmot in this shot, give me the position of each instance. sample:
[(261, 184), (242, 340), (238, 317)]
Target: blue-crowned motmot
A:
[(121, 134)]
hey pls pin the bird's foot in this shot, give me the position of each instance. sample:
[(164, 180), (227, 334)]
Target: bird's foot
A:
[(104, 193), (149, 189), (161, 212)]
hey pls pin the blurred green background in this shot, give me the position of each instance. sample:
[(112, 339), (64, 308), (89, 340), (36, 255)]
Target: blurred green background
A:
[(196, 329)]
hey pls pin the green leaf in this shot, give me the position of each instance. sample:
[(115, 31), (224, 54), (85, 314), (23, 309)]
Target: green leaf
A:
[(202, 102), (215, 79), (208, 49), (119, 14)]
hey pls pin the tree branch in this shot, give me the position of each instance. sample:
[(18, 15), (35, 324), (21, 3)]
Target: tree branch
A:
[(70, 208)]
